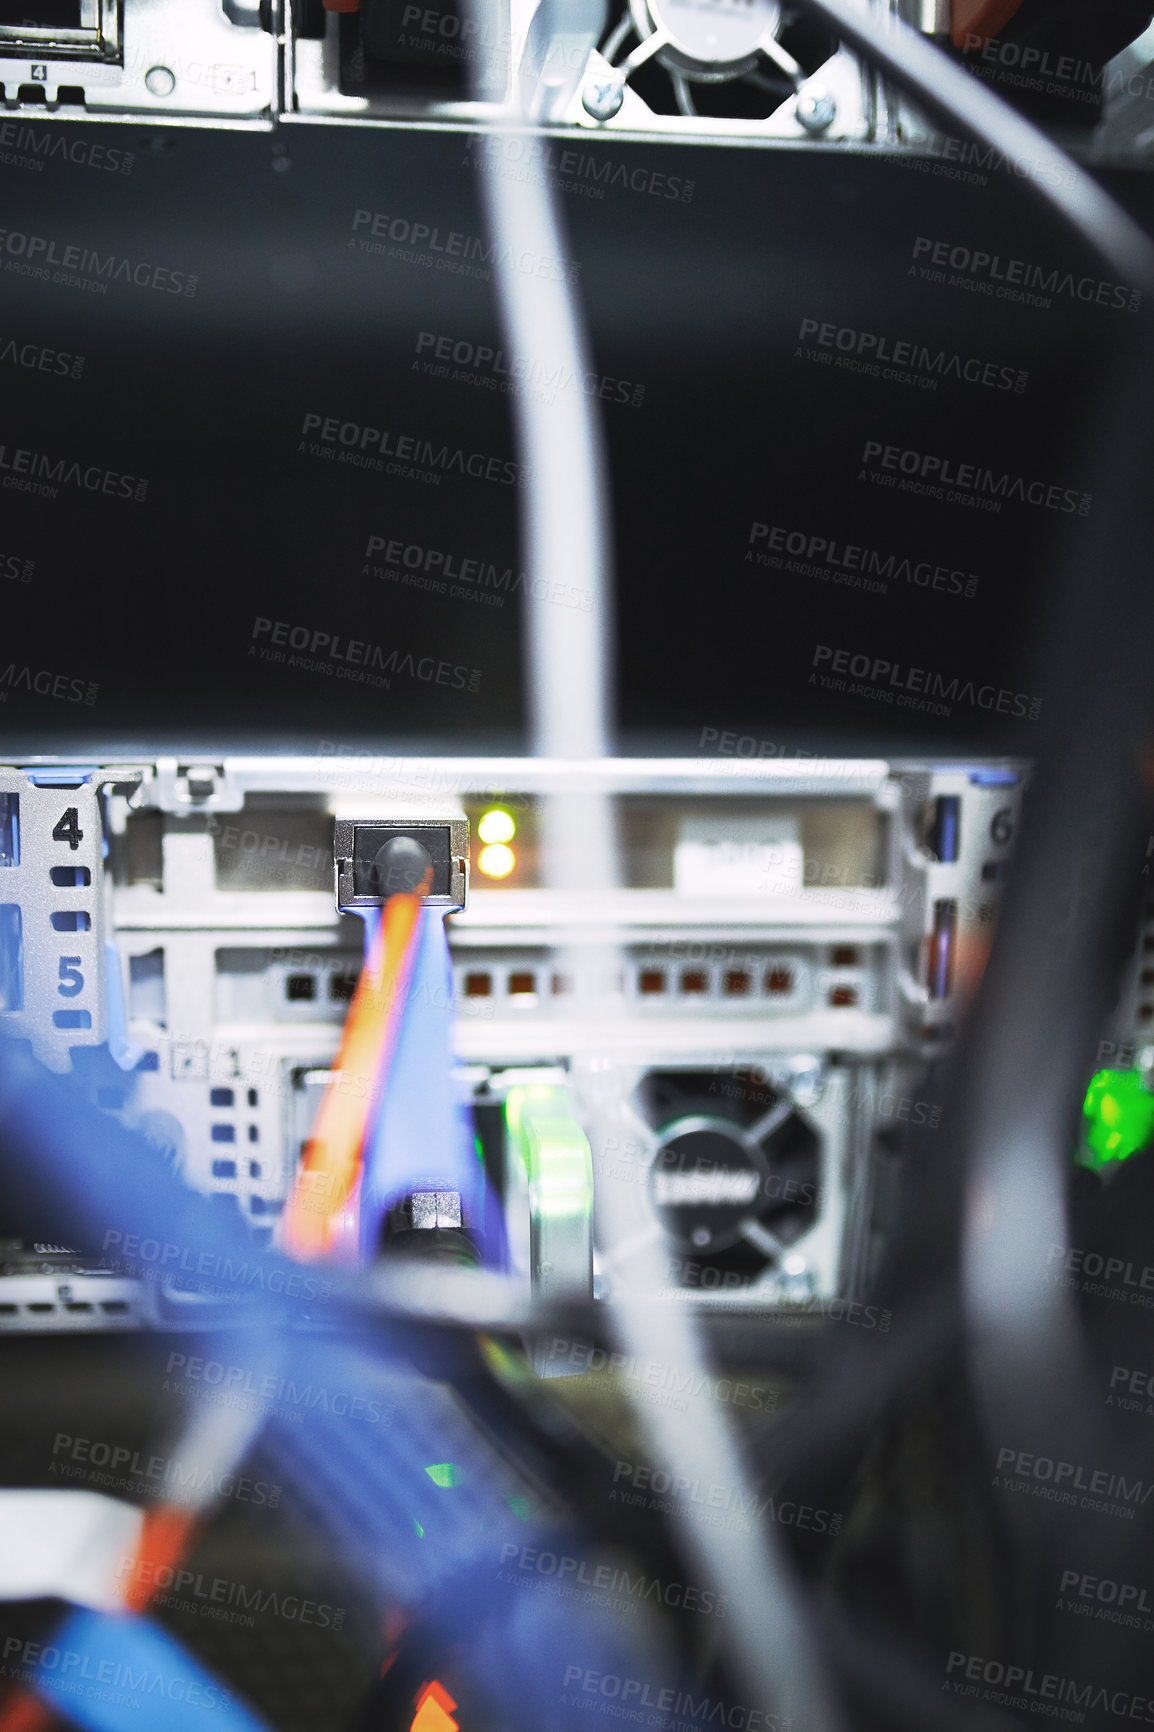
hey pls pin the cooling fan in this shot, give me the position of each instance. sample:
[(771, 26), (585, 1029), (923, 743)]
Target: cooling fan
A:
[(729, 1172), (730, 60)]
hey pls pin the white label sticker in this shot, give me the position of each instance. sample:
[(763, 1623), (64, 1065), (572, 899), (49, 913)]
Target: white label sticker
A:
[(738, 856)]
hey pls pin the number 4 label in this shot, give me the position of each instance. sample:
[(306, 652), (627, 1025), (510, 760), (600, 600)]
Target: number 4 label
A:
[(68, 829)]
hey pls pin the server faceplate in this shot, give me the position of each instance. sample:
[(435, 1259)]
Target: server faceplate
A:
[(792, 944)]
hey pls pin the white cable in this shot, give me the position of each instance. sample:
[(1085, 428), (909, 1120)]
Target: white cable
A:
[(568, 660)]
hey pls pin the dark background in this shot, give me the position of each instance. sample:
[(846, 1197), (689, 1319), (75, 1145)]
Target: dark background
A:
[(700, 302)]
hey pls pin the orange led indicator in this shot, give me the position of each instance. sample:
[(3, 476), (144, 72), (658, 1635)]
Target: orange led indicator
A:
[(433, 1710)]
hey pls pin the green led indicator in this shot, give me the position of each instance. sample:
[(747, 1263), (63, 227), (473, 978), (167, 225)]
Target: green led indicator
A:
[(419, 1528), (444, 1473), (521, 1507), (1119, 1115), (553, 1149)]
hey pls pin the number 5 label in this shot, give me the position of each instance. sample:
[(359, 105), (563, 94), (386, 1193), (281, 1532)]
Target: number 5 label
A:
[(71, 979)]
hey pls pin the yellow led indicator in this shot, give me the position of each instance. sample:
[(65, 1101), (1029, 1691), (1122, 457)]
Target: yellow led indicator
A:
[(496, 826), (496, 861)]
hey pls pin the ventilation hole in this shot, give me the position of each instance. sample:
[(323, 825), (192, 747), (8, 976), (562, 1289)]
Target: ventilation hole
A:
[(694, 980), (779, 980), (72, 920), (1145, 1012), (78, 1305), (221, 1097), (253, 1097), (70, 877), (32, 93), (41, 1307), (562, 983), (298, 987), (150, 1061), (114, 1307), (264, 1206), (846, 956), (7, 1310), (1148, 942), (253, 1134), (523, 983), (737, 981), (71, 1019), (843, 996), (71, 94), (9, 829), (342, 987), (254, 1169), (993, 871), (224, 1169), (224, 1133), (1148, 976), (11, 957), (651, 980), (478, 985)]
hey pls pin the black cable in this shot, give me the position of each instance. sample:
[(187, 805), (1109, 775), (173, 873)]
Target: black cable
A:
[(1103, 621), (947, 93)]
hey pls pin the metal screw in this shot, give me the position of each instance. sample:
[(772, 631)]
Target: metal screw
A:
[(159, 81), (602, 97), (808, 1086), (815, 110)]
